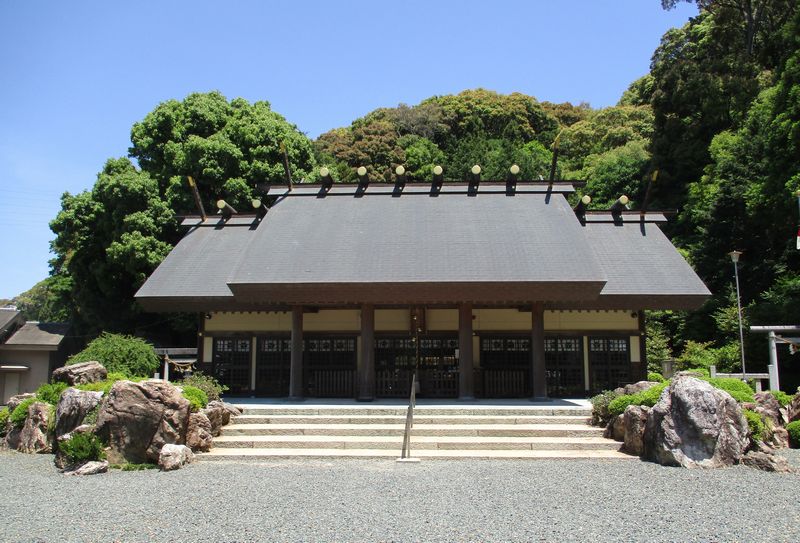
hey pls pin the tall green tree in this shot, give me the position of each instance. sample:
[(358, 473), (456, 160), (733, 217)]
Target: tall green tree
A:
[(228, 147)]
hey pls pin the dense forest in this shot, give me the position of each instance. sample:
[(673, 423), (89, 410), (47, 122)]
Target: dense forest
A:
[(718, 117)]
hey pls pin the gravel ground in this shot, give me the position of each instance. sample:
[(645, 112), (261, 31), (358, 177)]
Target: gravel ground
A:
[(378, 500)]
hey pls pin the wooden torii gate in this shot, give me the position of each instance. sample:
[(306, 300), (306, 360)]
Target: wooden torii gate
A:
[(773, 337)]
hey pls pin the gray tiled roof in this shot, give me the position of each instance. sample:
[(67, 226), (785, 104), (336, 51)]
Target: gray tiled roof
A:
[(201, 264), (639, 260), (342, 248), (49, 334)]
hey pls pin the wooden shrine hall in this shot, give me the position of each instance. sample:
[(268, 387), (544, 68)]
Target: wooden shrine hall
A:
[(486, 289)]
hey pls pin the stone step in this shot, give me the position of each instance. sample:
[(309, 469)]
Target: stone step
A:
[(417, 442), (486, 430), (336, 411), (418, 419), (221, 454)]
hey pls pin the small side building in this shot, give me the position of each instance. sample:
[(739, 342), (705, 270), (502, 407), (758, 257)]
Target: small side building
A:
[(29, 352), (493, 290)]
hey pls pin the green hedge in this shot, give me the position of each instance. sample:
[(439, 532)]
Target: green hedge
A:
[(51, 392), (655, 377), (647, 398), (783, 398), (756, 425), (20, 413), (204, 382), (197, 398), (81, 448), (794, 433), (740, 390), (4, 414), (131, 356)]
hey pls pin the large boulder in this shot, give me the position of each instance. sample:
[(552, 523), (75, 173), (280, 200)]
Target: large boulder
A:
[(695, 425), (11, 440), (14, 401), (174, 457), (635, 388), (616, 429), (138, 419), (793, 409), (635, 419), (198, 436), (35, 436), (769, 406), (80, 373), (766, 462), (218, 416), (73, 406)]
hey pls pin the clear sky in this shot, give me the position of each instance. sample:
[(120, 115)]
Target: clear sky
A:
[(75, 76)]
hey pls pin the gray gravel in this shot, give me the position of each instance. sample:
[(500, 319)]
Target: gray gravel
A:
[(378, 500)]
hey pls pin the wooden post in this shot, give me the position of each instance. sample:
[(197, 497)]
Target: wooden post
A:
[(366, 372), (538, 370), (296, 365), (466, 389)]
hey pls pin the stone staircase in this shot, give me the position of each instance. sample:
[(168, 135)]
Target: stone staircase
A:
[(453, 431)]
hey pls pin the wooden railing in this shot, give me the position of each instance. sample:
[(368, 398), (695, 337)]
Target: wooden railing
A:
[(392, 383)]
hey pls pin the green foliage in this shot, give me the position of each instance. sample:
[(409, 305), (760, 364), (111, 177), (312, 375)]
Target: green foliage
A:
[(48, 300), (647, 398), (600, 403), (4, 415), (105, 386), (794, 433), (51, 392), (783, 398), (212, 388), (20, 412), (91, 416), (197, 398), (82, 447), (756, 425), (655, 377), (127, 355), (740, 390)]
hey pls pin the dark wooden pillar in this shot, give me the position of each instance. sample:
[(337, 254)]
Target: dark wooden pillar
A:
[(466, 390), (366, 371), (296, 364), (538, 371), (642, 346)]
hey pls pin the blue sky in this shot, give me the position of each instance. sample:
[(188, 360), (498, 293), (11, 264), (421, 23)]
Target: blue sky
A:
[(77, 75)]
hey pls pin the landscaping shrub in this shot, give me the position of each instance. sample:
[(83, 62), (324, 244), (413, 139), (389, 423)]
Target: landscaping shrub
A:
[(80, 448), (600, 414), (4, 414), (128, 355), (20, 413), (196, 397), (206, 383), (105, 386), (655, 377), (783, 398), (51, 392), (756, 425), (647, 398), (740, 390), (794, 433)]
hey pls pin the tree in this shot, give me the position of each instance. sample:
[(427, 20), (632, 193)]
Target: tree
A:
[(48, 300), (766, 16), (108, 240), (229, 148)]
